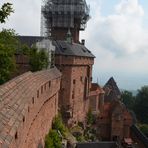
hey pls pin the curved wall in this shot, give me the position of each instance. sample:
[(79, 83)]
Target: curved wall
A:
[(28, 105)]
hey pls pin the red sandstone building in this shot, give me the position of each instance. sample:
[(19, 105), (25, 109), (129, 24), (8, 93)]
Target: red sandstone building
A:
[(115, 120)]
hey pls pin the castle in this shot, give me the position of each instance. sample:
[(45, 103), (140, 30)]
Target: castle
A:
[(30, 101)]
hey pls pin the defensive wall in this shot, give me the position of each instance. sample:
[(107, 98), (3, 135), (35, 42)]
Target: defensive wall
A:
[(28, 104)]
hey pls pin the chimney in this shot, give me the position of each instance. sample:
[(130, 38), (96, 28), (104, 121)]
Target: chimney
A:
[(83, 42)]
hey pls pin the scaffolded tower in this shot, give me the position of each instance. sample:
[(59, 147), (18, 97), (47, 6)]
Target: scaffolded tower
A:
[(60, 15)]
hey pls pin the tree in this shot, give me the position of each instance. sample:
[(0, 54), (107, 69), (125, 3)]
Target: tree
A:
[(38, 59), (128, 99), (141, 105), (5, 11), (8, 45)]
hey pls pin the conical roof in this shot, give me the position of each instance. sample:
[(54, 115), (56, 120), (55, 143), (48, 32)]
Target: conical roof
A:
[(112, 91)]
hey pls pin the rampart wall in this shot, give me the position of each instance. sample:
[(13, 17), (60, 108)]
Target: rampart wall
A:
[(28, 105)]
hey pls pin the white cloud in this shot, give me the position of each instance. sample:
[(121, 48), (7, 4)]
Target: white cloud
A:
[(119, 42), (26, 18)]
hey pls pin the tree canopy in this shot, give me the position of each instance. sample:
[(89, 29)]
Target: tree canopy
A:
[(8, 46), (128, 99), (5, 11), (141, 106)]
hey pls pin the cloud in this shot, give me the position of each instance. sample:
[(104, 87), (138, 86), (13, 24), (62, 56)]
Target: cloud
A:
[(122, 32), (26, 18), (119, 41)]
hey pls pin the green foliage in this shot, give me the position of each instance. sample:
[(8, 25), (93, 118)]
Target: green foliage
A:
[(53, 140), (141, 105), (128, 99), (59, 125), (5, 11), (38, 59), (8, 46), (144, 129), (90, 117)]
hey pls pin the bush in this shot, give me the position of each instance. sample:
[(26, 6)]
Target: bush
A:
[(59, 125), (53, 140), (90, 118), (38, 59)]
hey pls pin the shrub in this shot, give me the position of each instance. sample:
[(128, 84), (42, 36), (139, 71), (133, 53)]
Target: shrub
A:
[(90, 117), (53, 140), (59, 125)]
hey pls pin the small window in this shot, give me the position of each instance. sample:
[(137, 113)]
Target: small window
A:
[(74, 81), (45, 87), (28, 109), (38, 94), (41, 89), (23, 119), (32, 100), (81, 79), (16, 136), (73, 96), (49, 84)]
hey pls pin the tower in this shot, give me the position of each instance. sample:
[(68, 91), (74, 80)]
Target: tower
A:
[(59, 16)]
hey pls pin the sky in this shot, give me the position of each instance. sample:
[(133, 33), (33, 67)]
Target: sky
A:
[(117, 34)]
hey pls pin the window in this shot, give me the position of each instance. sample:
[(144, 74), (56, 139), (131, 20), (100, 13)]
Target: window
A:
[(73, 95), (74, 81), (49, 84), (16, 136), (45, 87), (38, 94), (23, 119), (81, 79), (28, 109), (32, 100), (41, 89)]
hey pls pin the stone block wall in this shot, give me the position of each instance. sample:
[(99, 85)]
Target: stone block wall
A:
[(75, 86), (28, 105)]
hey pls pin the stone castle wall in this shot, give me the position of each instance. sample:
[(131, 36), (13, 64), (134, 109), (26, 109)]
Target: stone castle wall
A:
[(28, 105), (75, 86)]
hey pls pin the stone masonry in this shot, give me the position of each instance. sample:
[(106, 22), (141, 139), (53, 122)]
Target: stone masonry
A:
[(28, 103), (75, 86)]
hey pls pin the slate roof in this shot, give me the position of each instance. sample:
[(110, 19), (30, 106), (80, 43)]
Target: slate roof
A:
[(112, 91), (74, 49), (62, 47), (97, 145), (29, 40)]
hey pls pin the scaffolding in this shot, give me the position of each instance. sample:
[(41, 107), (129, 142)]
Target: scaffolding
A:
[(63, 14)]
